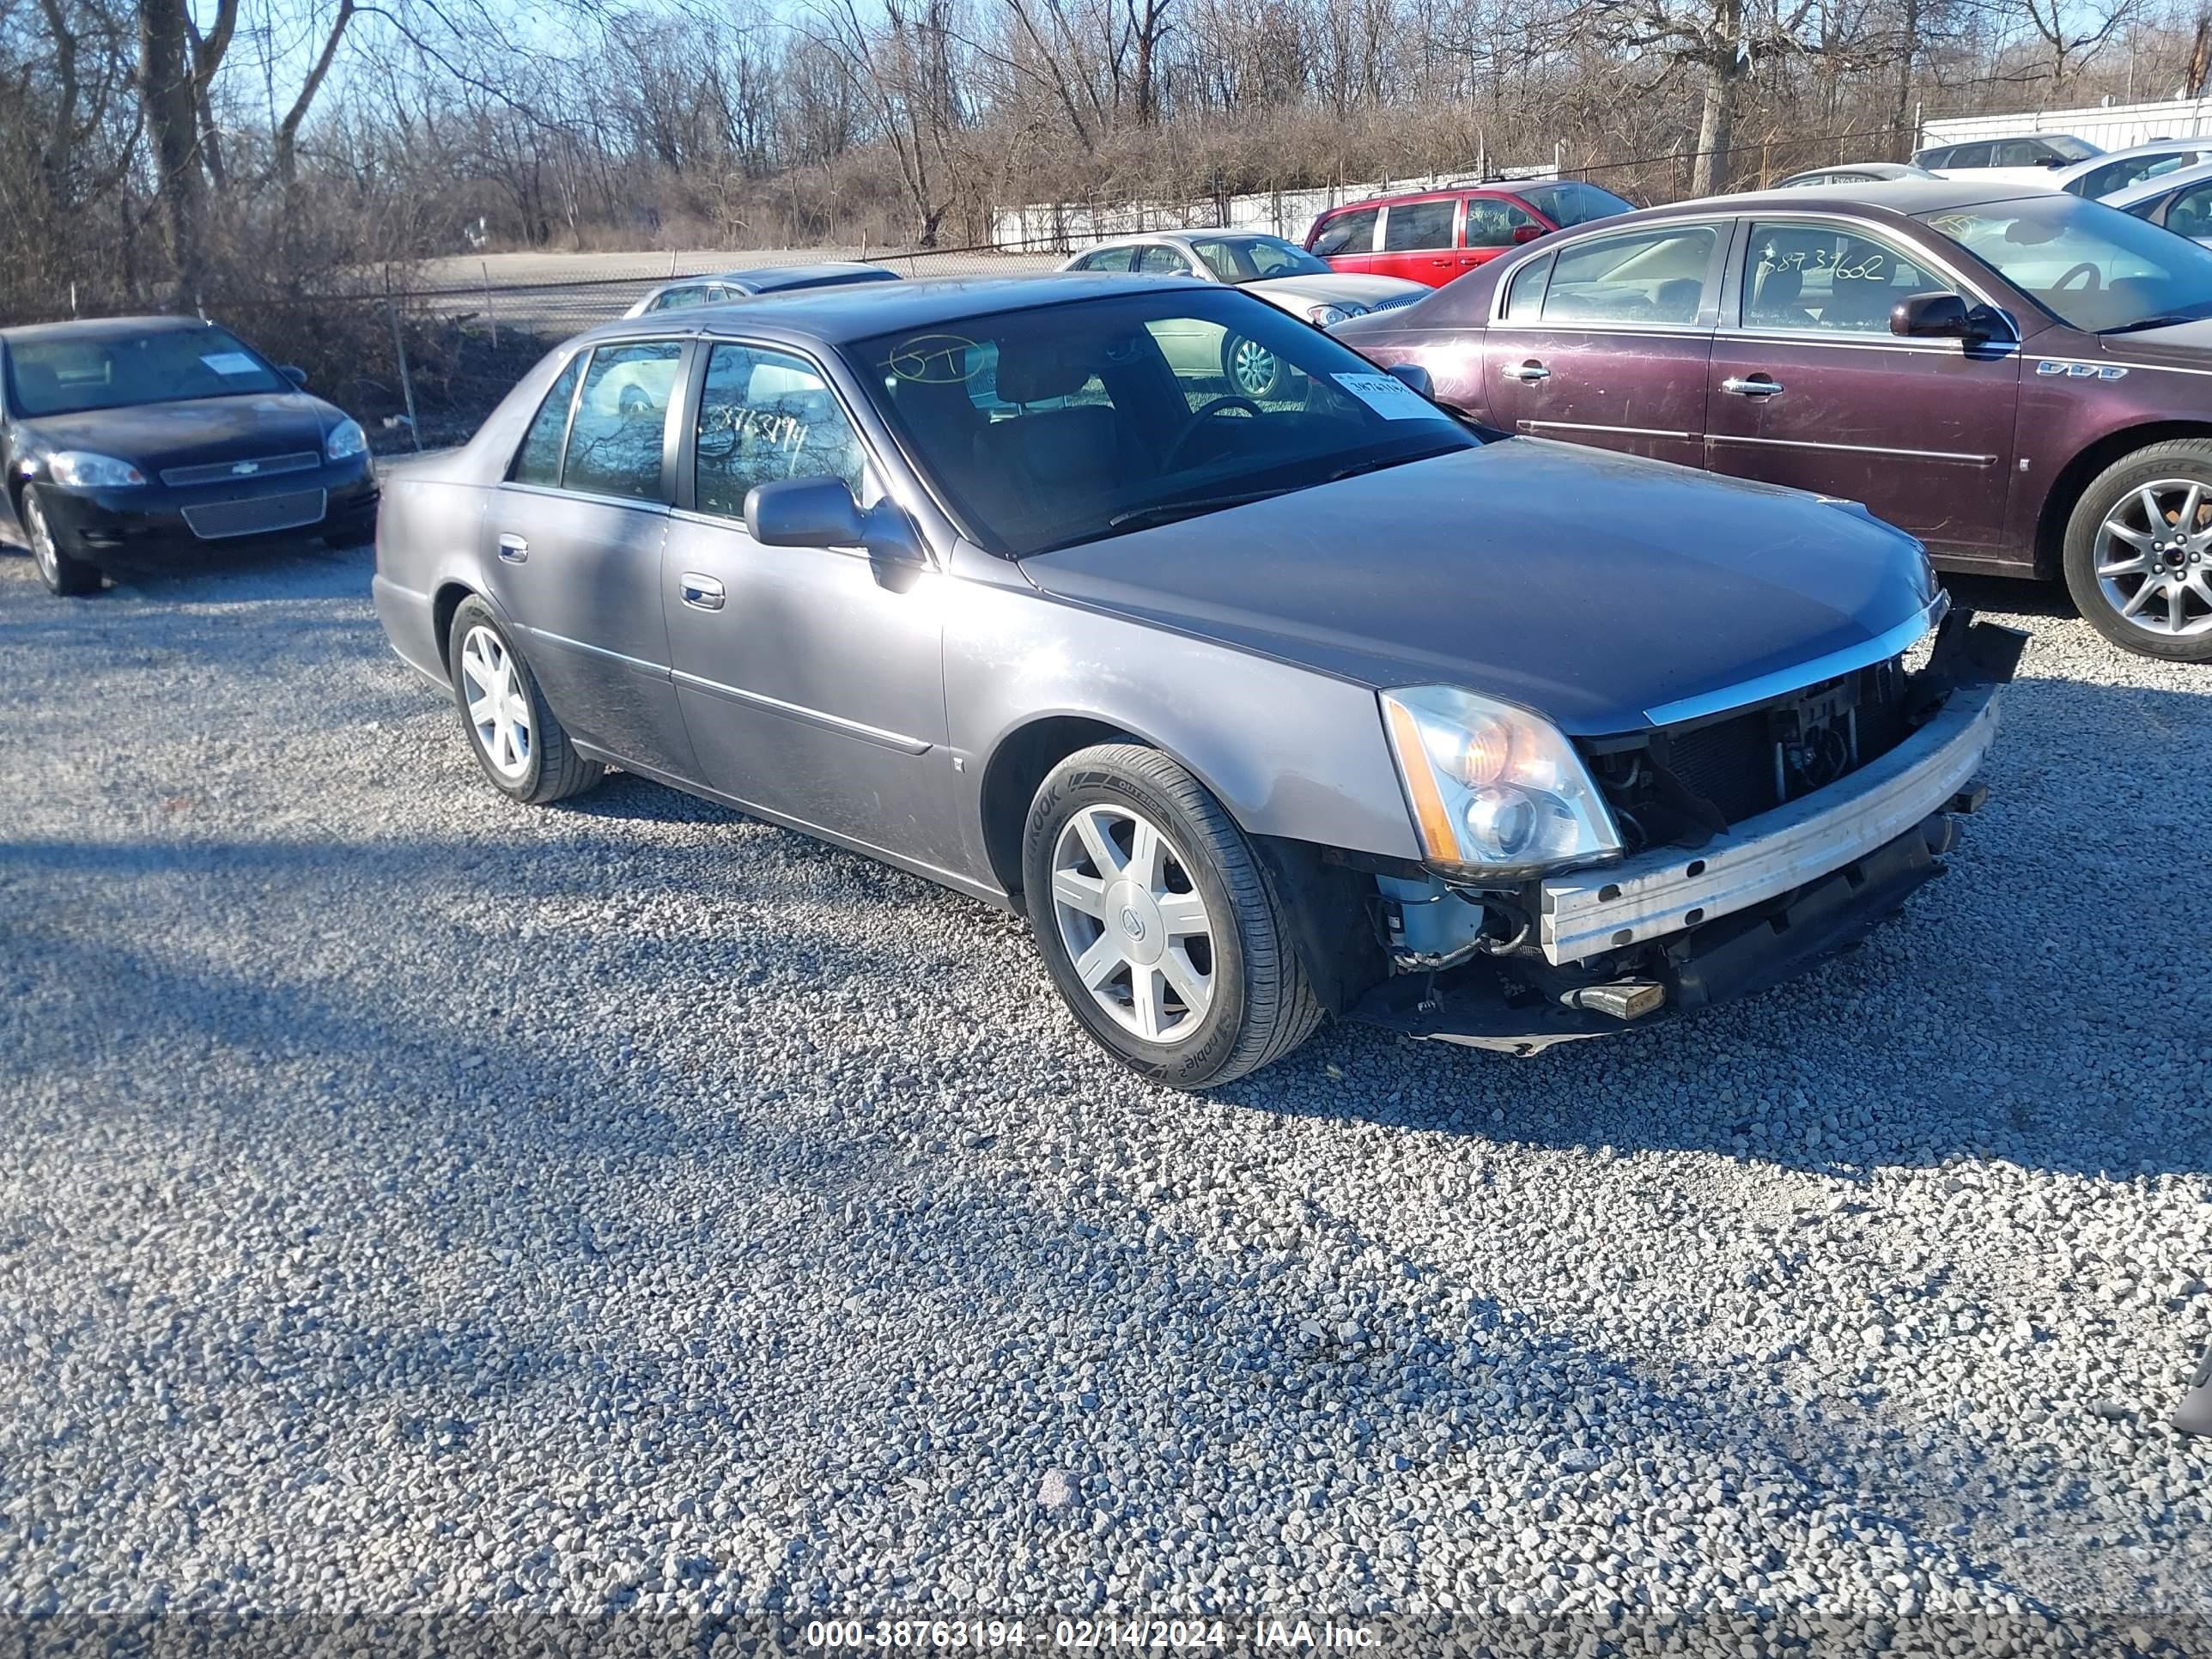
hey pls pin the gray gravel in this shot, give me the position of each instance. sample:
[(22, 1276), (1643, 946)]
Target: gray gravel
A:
[(411, 1202)]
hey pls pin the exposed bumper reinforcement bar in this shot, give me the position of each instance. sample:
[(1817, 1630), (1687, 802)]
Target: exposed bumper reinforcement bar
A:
[(1585, 912)]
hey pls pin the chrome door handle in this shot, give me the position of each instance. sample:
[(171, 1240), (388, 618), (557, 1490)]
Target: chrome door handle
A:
[(701, 593), (513, 548), (1760, 385), (1527, 373)]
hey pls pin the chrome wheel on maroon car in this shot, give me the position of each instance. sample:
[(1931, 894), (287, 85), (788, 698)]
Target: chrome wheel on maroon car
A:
[(2153, 557)]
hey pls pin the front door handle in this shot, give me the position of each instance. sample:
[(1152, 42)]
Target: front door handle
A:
[(1527, 373), (1758, 385), (701, 593), (513, 548)]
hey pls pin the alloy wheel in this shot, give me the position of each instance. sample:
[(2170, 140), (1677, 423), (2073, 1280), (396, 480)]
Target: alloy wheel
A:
[(2153, 557), (498, 706), (1133, 922)]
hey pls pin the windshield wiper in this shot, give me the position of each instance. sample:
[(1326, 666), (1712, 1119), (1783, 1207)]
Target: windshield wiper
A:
[(1381, 462), (1168, 511), (2148, 322)]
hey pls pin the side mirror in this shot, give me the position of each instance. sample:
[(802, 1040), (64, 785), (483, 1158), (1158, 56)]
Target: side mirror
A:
[(1939, 316), (802, 512), (1416, 377), (1526, 233), (821, 513), (295, 374)]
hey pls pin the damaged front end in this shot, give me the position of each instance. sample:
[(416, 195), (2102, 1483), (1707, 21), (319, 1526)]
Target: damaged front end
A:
[(1756, 837)]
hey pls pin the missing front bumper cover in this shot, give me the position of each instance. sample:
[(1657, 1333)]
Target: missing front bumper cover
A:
[(1524, 1007)]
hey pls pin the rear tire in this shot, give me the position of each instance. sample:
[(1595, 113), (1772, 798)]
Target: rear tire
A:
[(2137, 552), (1158, 923), (522, 748), (69, 577)]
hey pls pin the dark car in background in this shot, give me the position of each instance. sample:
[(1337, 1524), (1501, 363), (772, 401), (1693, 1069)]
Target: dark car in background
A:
[(725, 286), (1432, 236), (134, 439), (1258, 708), (2022, 379)]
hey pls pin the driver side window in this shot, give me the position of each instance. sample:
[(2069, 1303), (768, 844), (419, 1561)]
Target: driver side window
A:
[(765, 416), (1811, 278)]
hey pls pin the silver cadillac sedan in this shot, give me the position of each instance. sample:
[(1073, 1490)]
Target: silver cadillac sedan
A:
[(1258, 708)]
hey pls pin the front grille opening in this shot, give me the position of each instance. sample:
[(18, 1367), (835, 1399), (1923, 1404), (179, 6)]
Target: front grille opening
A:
[(1682, 785)]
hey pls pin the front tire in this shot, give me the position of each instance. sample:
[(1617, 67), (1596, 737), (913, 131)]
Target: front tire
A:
[(2138, 552), (521, 747), (68, 577), (1158, 923)]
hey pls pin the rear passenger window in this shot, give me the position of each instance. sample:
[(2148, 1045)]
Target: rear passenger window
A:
[(539, 460), (1160, 261), (614, 442), (1415, 225), (1347, 233), (765, 415), (1649, 277), (1525, 290)]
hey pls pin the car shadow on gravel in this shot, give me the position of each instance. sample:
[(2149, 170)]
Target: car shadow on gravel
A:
[(2044, 1003)]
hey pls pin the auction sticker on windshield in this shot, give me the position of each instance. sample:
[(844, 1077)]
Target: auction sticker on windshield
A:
[(231, 362), (1390, 398)]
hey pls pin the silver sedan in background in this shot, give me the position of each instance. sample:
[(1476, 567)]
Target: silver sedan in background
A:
[(1274, 269)]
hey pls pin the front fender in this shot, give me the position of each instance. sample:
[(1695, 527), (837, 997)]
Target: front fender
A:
[(1289, 752)]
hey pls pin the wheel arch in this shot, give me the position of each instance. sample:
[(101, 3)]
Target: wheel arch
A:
[(1325, 903), (445, 605), (2074, 477)]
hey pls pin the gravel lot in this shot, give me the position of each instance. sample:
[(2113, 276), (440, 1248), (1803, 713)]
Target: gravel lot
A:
[(411, 1203)]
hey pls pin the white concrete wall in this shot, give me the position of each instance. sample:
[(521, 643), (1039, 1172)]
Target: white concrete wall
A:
[(2109, 126), (1289, 213)]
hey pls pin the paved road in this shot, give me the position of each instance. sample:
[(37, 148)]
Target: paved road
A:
[(414, 1205)]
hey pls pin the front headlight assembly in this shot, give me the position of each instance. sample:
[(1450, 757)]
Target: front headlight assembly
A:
[(1326, 316), (346, 440), (1498, 793), (80, 469)]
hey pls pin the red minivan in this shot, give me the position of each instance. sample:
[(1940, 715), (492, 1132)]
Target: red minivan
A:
[(1432, 235)]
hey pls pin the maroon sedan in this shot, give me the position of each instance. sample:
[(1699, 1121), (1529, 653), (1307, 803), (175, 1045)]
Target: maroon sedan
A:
[(2021, 379)]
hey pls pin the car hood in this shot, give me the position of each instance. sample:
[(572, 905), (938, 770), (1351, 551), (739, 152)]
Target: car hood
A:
[(1333, 289), (2185, 345), (194, 430), (1587, 586)]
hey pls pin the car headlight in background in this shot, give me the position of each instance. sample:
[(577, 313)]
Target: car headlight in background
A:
[(80, 469), (1326, 316), (346, 440), (1497, 791)]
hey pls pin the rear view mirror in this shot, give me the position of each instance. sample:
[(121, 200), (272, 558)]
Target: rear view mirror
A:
[(1522, 234), (802, 512), (1939, 316), (295, 374), (1416, 377)]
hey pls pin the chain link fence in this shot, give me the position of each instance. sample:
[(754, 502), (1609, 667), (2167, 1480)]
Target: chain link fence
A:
[(421, 366)]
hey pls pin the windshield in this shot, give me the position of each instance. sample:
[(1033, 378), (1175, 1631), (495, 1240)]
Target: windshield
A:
[(1574, 203), (2096, 269), (1249, 258), (1071, 422), (67, 377)]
